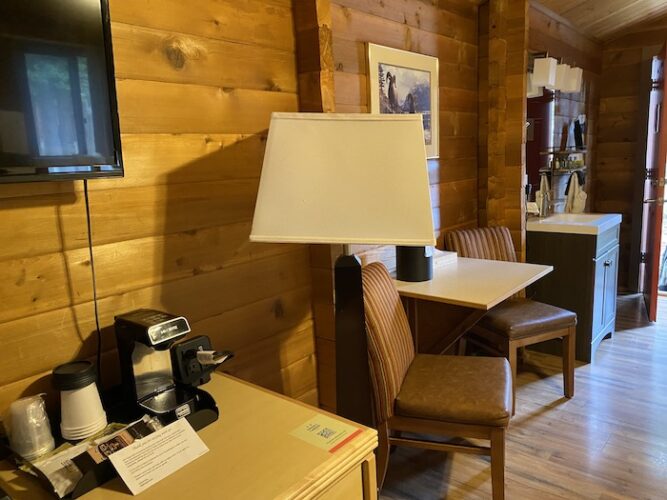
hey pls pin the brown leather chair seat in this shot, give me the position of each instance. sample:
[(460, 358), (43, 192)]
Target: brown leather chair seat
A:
[(470, 390), (519, 322), (520, 318)]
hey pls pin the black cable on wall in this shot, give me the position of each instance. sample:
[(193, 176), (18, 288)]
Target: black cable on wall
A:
[(92, 271)]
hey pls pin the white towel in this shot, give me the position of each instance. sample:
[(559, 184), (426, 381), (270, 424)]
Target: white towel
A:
[(576, 196), (544, 190)]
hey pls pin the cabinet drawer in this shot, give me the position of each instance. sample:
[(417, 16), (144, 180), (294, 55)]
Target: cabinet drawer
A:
[(350, 487), (607, 240)]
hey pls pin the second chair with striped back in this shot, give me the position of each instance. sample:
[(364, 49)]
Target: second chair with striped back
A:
[(517, 322)]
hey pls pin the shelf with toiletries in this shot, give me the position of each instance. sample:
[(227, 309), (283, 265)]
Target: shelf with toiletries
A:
[(564, 152), (564, 164), (564, 171)]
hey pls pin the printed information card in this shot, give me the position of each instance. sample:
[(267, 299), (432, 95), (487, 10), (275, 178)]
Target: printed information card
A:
[(326, 433), (156, 456)]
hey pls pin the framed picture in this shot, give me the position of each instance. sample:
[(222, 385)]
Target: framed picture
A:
[(405, 82)]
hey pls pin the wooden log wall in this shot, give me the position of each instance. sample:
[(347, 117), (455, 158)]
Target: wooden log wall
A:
[(483, 114), (315, 67), (197, 82), (502, 185), (447, 31), (619, 146), (556, 36)]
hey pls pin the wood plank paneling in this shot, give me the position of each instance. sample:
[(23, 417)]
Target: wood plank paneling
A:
[(197, 83), (605, 20), (504, 130), (265, 23), (200, 60), (149, 107)]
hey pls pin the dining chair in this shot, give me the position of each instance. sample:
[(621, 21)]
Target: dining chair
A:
[(424, 394), (519, 321)]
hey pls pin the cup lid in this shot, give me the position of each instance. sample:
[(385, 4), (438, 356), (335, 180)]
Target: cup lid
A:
[(74, 375)]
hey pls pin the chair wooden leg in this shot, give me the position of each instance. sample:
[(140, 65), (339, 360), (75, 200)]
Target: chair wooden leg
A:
[(512, 358), (498, 463), (462, 345), (382, 456), (569, 348), (393, 447)]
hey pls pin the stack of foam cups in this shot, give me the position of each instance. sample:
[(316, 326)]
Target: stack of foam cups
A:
[(81, 409)]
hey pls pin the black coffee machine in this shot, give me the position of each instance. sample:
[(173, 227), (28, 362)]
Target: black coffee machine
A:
[(160, 376)]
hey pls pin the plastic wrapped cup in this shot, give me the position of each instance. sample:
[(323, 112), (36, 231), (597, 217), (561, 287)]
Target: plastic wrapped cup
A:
[(28, 428), (81, 412)]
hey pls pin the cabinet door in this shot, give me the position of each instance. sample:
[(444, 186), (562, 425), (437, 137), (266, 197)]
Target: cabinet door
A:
[(610, 264), (598, 295)]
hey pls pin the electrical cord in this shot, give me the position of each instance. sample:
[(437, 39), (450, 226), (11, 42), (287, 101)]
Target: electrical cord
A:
[(92, 271)]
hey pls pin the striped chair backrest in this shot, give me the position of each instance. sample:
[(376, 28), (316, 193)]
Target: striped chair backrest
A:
[(492, 243), (390, 344)]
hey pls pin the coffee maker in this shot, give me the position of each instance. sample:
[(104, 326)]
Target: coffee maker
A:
[(145, 338)]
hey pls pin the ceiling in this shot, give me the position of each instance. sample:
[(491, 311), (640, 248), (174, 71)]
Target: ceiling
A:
[(601, 19)]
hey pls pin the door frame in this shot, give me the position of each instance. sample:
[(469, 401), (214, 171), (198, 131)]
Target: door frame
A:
[(638, 226)]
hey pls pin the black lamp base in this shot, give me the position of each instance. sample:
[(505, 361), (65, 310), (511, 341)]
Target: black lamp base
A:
[(414, 263), (353, 385)]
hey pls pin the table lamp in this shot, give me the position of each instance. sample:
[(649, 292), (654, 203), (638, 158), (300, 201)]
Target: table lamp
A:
[(345, 179)]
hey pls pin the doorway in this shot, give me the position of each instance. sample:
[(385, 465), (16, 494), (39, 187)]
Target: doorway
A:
[(649, 245)]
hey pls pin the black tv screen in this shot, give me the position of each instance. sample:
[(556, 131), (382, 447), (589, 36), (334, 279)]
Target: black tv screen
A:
[(58, 112)]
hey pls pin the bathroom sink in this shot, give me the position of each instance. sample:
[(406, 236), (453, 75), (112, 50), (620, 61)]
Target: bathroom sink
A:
[(574, 223)]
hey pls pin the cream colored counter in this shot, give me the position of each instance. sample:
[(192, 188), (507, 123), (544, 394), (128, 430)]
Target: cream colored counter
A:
[(574, 223), (252, 455)]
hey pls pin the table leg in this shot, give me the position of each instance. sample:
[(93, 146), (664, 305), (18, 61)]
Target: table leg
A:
[(369, 478), (453, 336), (437, 327)]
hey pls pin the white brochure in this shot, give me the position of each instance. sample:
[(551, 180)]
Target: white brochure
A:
[(156, 456)]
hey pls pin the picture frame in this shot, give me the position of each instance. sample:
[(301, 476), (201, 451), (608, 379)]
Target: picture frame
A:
[(405, 82)]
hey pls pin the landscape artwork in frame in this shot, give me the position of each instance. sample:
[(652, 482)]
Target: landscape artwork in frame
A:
[(405, 82)]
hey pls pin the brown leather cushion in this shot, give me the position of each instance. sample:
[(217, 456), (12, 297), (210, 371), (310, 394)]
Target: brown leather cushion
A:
[(520, 318), (459, 389)]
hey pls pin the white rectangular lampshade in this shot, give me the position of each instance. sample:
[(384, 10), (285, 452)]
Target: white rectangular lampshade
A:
[(544, 72), (574, 80), (532, 90), (562, 74), (344, 178)]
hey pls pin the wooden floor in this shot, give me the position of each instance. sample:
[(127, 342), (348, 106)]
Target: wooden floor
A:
[(609, 442)]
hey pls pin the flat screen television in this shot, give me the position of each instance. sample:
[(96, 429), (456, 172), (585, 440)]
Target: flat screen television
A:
[(58, 111)]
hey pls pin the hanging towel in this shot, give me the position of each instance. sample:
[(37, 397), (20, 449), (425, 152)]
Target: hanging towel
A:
[(581, 177), (576, 196), (544, 191)]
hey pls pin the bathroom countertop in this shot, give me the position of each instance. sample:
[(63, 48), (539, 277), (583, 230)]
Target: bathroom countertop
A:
[(574, 223)]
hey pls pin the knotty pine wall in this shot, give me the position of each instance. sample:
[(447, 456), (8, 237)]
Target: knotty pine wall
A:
[(197, 82), (619, 127)]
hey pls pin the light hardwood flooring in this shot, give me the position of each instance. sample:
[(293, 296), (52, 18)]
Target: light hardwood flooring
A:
[(608, 442)]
